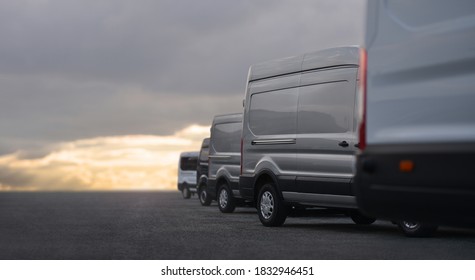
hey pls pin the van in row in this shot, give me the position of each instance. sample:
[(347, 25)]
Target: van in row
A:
[(224, 161), (218, 168), (202, 173), (187, 166), (299, 134), (417, 121)]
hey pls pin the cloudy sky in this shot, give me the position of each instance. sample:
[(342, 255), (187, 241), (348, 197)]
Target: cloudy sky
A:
[(104, 94)]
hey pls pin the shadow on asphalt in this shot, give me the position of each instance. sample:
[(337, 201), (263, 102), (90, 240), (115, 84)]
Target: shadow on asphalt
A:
[(314, 219), (345, 227), (382, 227)]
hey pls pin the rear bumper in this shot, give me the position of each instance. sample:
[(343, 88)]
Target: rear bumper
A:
[(440, 188)]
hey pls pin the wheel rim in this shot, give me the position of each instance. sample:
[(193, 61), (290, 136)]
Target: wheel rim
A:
[(203, 196), (410, 225), (267, 205), (223, 198)]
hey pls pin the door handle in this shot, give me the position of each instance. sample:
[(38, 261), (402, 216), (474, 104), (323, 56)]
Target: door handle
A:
[(273, 141), (219, 157), (343, 144)]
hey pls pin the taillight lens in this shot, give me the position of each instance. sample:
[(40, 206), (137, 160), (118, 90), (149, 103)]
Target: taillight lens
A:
[(362, 98)]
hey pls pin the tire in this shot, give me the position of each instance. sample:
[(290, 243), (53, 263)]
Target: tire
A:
[(185, 192), (226, 201), (270, 208), (361, 219), (416, 229), (205, 200)]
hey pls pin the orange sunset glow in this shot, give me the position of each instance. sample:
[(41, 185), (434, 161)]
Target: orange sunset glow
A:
[(130, 162)]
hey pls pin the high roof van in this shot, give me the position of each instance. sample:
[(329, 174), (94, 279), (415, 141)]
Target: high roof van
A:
[(417, 131), (202, 173), (299, 134), (224, 161), (187, 173)]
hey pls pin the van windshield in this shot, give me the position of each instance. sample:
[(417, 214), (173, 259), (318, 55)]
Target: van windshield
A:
[(188, 163)]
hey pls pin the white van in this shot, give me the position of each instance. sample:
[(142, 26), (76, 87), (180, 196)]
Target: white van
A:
[(187, 173), (299, 134), (417, 130)]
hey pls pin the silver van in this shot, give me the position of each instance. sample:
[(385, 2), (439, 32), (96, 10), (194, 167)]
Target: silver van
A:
[(299, 134), (417, 130), (202, 173), (187, 173), (224, 161)]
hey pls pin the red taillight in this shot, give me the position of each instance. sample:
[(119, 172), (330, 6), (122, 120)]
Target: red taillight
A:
[(241, 156), (362, 99)]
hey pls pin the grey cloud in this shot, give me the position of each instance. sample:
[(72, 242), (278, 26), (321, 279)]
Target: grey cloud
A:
[(78, 69)]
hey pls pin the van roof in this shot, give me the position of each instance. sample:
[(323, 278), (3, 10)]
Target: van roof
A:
[(190, 154), (236, 117), (348, 55)]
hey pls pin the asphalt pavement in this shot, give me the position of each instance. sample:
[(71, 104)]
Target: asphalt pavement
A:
[(163, 225)]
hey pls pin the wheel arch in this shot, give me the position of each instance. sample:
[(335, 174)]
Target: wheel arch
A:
[(221, 180), (203, 181), (265, 176)]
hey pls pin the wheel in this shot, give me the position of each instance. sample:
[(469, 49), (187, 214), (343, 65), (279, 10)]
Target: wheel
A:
[(185, 192), (270, 208), (205, 200), (361, 219), (416, 229), (226, 203)]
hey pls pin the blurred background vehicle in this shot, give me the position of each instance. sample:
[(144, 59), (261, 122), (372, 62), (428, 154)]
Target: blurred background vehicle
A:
[(202, 173), (417, 121), (187, 173)]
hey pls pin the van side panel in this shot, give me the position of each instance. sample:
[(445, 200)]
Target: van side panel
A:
[(299, 128), (421, 73), (224, 153), (293, 128), (420, 100), (270, 120), (325, 121), (202, 169)]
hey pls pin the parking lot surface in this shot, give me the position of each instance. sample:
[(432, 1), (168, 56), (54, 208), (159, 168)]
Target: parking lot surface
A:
[(162, 225)]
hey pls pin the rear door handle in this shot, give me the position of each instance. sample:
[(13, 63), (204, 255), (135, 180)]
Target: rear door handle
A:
[(343, 144)]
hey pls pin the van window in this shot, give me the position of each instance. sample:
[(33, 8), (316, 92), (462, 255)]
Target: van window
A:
[(274, 112), (325, 108), (188, 163), (227, 137), (409, 12)]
